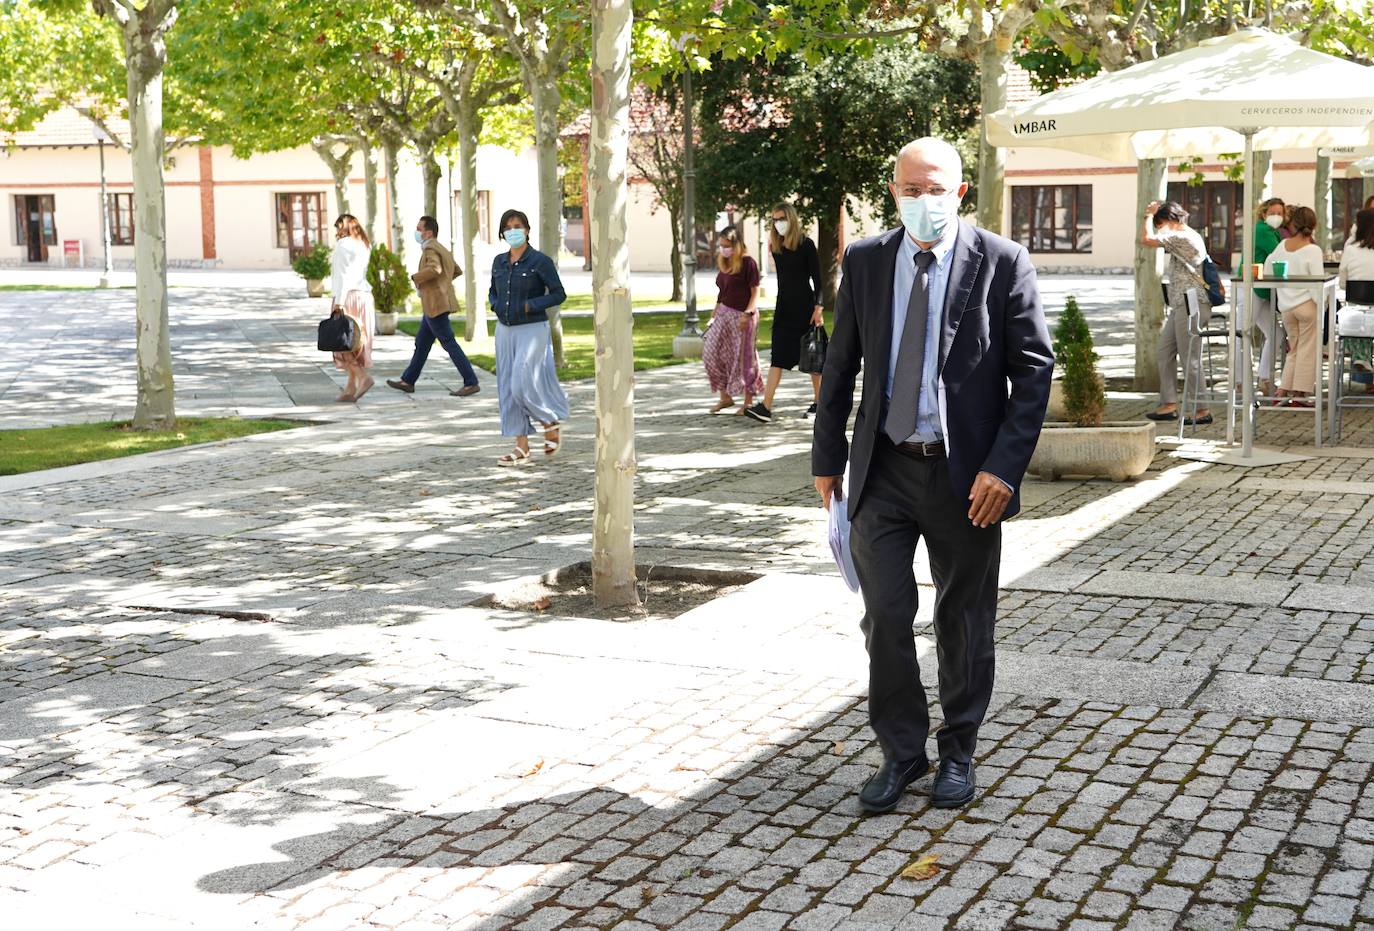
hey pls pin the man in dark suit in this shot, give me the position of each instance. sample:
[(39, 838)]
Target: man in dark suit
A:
[(946, 321)]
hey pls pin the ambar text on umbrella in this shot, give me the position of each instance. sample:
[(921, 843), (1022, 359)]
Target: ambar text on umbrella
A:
[(1035, 126)]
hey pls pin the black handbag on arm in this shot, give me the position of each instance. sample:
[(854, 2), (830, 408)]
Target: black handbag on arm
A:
[(338, 333), (813, 345)]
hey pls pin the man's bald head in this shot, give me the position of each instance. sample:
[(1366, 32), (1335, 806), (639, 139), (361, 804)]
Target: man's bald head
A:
[(930, 156), (927, 166)]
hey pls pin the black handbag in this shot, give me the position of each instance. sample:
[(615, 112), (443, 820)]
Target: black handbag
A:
[(813, 346), (338, 333)]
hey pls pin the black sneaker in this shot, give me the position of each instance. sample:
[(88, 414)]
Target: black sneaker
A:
[(759, 412), (811, 411)]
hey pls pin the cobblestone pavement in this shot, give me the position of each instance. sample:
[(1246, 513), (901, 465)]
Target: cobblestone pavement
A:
[(246, 685)]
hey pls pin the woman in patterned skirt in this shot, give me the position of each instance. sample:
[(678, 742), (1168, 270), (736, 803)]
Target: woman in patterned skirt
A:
[(732, 362)]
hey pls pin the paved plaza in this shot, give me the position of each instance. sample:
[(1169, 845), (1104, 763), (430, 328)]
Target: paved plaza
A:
[(246, 684)]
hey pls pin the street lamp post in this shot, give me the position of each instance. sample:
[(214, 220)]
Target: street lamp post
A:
[(100, 139), (687, 344)]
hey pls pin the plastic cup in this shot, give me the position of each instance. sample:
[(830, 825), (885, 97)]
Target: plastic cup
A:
[(1280, 269)]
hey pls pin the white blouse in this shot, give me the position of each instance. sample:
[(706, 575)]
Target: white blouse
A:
[(1357, 263), (349, 268), (1301, 263)]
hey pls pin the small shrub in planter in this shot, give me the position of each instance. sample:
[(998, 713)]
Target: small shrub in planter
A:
[(1084, 398), (314, 266), (1084, 445), (391, 285)]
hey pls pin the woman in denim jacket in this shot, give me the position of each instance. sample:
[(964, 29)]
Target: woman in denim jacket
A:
[(524, 285)]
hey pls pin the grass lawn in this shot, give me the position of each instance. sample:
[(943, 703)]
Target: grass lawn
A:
[(50, 447), (653, 341)]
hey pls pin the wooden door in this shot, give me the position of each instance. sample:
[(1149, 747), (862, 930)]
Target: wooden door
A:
[(35, 222), (300, 222)]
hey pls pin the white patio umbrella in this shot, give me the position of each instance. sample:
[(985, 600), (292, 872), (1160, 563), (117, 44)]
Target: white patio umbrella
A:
[(1251, 89)]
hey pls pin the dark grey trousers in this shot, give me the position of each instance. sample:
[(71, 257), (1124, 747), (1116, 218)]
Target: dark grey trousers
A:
[(907, 499)]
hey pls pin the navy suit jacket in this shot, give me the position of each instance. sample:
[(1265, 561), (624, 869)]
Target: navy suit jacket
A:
[(995, 362)]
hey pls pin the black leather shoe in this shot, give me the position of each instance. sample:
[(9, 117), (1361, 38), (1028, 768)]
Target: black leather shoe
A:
[(954, 785), (883, 791)]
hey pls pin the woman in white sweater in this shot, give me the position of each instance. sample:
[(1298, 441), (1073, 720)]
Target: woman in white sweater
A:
[(1357, 258), (352, 295), (1300, 307), (1357, 264)]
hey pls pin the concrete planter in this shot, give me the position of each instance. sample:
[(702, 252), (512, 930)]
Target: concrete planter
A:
[(314, 287), (386, 323), (1118, 450)]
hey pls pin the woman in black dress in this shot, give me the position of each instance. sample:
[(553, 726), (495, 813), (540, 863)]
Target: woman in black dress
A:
[(798, 268)]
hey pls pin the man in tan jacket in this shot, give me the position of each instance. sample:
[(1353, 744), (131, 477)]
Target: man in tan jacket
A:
[(434, 282)]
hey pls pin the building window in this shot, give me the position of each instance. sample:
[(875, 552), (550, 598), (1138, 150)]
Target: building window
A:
[(121, 210), (1214, 211), (1053, 218), (484, 216), (1345, 203), (300, 221)]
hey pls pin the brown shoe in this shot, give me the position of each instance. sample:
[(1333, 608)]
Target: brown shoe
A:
[(466, 390), (400, 385)]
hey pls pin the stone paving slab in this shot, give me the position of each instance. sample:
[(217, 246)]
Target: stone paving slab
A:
[(1345, 702), (1321, 596), (1235, 590)]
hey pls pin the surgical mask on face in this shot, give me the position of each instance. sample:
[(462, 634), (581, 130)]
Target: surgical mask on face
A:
[(782, 226), (926, 217), (514, 238), (727, 251), (1274, 221), (419, 237)]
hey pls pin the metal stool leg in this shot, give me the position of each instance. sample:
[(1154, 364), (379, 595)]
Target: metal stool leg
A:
[(1187, 370)]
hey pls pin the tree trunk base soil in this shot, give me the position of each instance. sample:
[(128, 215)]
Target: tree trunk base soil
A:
[(664, 592)]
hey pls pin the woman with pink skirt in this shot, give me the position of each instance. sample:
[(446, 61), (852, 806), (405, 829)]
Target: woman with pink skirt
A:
[(352, 295), (732, 361)]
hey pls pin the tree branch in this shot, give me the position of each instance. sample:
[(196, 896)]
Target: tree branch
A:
[(104, 126)]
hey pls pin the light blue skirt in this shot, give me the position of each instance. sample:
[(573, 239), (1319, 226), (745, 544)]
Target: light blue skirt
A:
[(526, 380)]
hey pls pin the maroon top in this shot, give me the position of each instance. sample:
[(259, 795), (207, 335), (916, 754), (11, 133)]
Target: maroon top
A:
[(735, 290)]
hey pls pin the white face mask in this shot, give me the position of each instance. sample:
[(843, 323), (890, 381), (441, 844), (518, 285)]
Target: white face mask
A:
[(782, 226), (1274, 221), (927, 216)]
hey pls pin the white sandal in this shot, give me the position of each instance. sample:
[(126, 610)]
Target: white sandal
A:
[(515, 457), (551, 447)]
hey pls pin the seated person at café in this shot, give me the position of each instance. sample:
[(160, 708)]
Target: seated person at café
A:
[(1357, 264)]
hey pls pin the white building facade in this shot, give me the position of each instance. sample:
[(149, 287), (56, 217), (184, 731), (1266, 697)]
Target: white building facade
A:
[(222, 211)]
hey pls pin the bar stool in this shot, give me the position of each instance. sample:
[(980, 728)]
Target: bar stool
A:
[(1200, 338), (1354, 321)]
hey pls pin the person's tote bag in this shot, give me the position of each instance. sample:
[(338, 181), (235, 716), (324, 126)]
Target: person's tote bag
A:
[(338, 333), (813, 346)]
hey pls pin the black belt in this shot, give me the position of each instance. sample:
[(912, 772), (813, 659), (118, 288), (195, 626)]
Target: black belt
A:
[(919, 450)]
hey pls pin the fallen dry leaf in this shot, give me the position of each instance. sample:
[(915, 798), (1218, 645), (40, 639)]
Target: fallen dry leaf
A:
[(533, 769), (838, 749), (922, 868), (542, 604)]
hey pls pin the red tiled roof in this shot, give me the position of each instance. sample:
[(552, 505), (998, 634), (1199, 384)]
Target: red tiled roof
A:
[(1019, 88), (65, 127), (647, 116)]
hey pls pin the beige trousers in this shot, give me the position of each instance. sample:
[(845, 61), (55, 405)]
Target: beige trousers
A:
[(1304, 327)]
